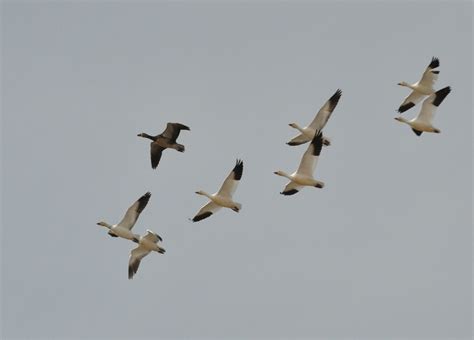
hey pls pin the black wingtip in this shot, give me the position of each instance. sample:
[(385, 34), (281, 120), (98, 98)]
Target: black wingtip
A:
[(434, 63), (417, 132), (289, 192), (440, 95), (317, 143), (335, 98), (238, 169), (405, 107), (202, 216), (143, 201), (294, 143)]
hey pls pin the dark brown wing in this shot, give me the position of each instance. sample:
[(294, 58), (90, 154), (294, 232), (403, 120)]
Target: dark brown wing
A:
[(155, 153), (172, 131)]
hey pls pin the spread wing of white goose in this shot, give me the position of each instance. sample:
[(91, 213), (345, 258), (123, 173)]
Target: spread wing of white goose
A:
[(124, 227), (423, 122), (222, 198), (318, 123), (304, 175), (422, 88), (146, 244)]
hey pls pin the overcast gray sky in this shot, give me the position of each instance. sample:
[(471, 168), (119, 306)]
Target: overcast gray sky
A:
[(383, 251)]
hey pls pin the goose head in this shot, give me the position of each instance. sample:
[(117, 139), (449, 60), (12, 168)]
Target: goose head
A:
[(403, 83), (281, 173), (401, 119), (145, 135), (202, 192), (104, 224)]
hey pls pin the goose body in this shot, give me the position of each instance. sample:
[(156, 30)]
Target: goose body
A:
[(146, 244), (304, 175), (307, 133), (423, 122), (165, 140), (222, 198), (422, 88), (123, 229)]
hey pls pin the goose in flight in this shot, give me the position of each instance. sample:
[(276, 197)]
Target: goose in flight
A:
[(422, 88), (124, 227), (423, 122), (146, 244), (165, 140), (318, 123), (304, 175), (222, 198)]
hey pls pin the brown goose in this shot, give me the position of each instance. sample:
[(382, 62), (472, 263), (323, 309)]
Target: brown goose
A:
[(165, 140)]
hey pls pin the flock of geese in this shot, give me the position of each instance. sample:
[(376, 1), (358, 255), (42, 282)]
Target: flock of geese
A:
[(302, 177)]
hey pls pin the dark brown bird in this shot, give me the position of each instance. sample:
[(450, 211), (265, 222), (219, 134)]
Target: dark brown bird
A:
[(165, 140)]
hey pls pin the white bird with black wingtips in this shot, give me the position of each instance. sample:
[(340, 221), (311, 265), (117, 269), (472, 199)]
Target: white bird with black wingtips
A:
[(146, 244), (222, 198), (124, 228), (318, 123), (304, 175), (423, 122), (422, 88)]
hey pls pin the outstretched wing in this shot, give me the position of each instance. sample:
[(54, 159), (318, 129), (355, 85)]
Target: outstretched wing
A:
[(325, 112), (206, 211), (172, 131), (230, 183), (136, 255), (298, 140), (430, 75), (291, 188), (311, 155), (155, 154), (152, 236), (431, 103), (411, 100), (131, 216)]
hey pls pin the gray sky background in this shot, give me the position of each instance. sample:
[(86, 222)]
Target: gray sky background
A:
[(383, 251)]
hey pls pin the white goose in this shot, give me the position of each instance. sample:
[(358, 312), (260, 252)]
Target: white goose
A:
[(423, 122), (124, 227), (422, 88), (318, 123), (222, 198), (304, 175), (146, 244)]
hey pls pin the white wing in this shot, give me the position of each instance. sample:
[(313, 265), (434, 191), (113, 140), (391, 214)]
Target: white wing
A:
[(298, 140), (206, 211), (430, 75), (131, 216), (152, 236), (324, 113), (431, 103), (136, 256), (230, 184), (411, 100), (311, 155), (291, 188)]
